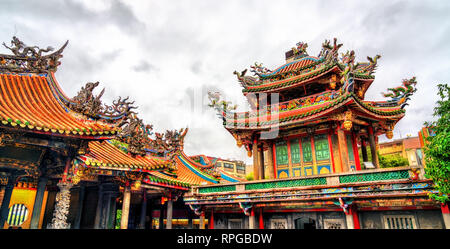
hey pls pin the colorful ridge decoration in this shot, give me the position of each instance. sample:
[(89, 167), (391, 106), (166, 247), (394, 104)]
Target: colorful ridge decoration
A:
[(105, 155), (188, 171)]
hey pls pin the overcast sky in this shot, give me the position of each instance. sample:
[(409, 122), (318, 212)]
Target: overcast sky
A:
[(166, 55)]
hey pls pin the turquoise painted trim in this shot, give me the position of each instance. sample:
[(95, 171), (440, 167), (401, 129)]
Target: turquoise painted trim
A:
[(227, 178), (202, 161), (196, 171)]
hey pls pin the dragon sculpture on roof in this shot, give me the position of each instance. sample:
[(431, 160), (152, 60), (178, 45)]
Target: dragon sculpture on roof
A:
[(400, 95), (30, 58), (86, 103)]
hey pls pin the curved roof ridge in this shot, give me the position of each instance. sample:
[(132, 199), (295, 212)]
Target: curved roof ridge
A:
[(229, 177), (185, 163), (313, 58)]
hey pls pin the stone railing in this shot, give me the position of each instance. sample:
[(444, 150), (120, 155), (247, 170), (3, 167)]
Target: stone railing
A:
[(376, 175)]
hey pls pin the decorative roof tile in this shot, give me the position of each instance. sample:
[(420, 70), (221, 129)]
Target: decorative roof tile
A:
[(27, 101), (105, 154)]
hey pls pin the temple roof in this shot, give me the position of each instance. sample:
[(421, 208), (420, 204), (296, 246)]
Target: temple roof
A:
[(31, 98), (28, 101), (109, 155), (189, 171), (307, 108), (160, 179), (105, 155), (337, 96), (302, 68)]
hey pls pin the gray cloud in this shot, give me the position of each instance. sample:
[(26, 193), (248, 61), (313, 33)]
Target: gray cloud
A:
[(143, 66)]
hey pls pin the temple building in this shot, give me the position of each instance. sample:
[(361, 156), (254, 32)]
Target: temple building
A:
[(309, 116), (79, 163)]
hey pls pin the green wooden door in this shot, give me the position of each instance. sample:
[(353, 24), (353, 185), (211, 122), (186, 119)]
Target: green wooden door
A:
[(282, 153), (321, 147), (307, 150)]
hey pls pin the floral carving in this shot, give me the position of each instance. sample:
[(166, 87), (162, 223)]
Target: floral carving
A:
[(61, 212)]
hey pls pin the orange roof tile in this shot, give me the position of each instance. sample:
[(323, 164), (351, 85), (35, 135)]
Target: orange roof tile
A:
[(106, 155), (28, 101), (188, 172)]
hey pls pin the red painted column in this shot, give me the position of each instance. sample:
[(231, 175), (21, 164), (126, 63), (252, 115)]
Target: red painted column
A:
[(211, 220), (255, 160), (354, 213), (330, 146), (351, 217), (356, 152), (446, 215), (66, 170), (261, 220), (274, 161)]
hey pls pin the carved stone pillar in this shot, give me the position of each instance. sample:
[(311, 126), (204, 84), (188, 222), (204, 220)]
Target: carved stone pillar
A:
[(59, 220)]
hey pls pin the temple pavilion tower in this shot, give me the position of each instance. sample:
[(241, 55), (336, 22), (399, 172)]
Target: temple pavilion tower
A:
[(310, 114)]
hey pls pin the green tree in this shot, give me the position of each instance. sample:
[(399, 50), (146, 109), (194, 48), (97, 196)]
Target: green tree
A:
[(437, 150), (118, 218), (390, 161)]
